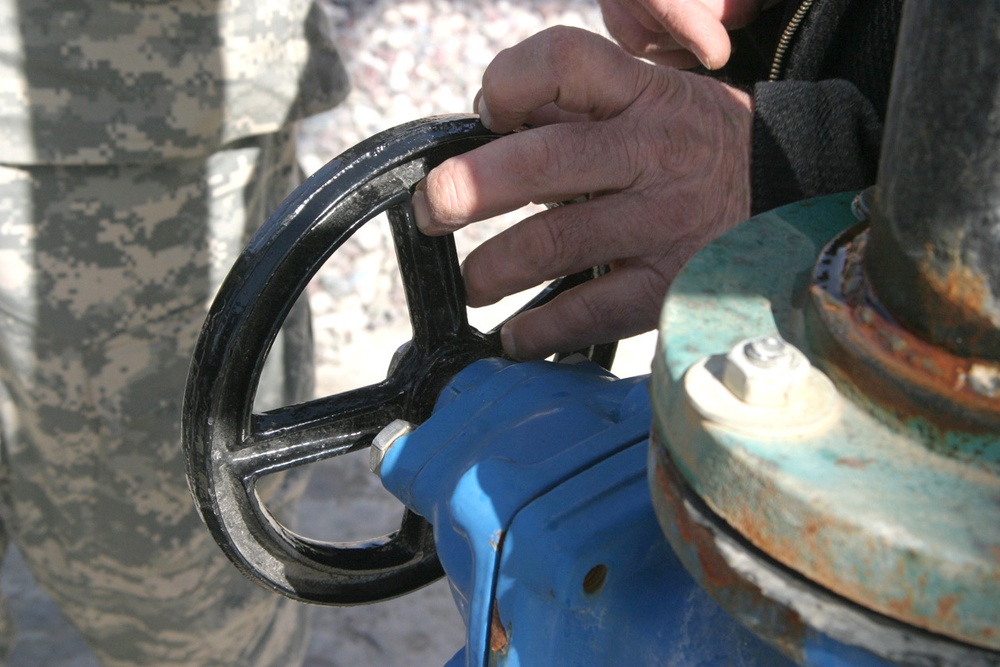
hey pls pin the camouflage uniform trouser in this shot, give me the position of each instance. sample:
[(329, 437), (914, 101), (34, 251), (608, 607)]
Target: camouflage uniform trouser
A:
[(105, 274)]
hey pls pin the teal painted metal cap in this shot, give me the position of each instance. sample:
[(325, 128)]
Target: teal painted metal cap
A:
[(897, 516)]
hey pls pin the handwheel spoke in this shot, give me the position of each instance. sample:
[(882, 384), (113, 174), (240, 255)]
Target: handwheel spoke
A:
[(601, 354), (432, 280), (552, 290), (228, 448), (319, 429)]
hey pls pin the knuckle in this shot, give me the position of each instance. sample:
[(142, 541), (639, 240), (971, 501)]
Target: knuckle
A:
[(477, 282), (539, 249), (494, 79), (584, 318), (588, 318), (562, 51), (448, 194), (620, 148), (557, 242), (649, 295), (539, 162), (631, 37)]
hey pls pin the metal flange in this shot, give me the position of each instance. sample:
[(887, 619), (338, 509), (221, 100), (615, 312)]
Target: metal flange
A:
[(863, 508)]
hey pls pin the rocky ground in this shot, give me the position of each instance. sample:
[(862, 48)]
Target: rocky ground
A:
[(408, 59)]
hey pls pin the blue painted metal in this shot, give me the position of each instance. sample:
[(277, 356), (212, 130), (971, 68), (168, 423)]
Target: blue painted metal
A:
[(646, 611), (535, 478), (533, 475), (865, 509), (501, 435)]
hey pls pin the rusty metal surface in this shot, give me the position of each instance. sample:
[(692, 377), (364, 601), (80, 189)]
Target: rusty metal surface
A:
[(777, 604), (946, 400), (935, 246), (499, 641), (865, 509), (694, 543)]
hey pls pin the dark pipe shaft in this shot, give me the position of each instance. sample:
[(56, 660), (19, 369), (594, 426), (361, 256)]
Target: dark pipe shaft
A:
[(934, 254)]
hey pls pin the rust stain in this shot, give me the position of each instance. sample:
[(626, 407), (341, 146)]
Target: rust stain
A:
[(715, 570), (912, 359), (499, 640), (740, 597), (946, 607), (786, 548), (901, 607), (807, 551), (892, 367), (942, 293), (496, 540), (856, 462), (960, 290), (810, 553)]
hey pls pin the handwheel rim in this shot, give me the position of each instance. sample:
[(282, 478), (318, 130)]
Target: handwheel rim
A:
[(228, 447)]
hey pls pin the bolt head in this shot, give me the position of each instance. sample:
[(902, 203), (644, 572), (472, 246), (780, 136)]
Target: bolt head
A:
[(767, 352), (765, 372), (384, 441), (985, 380)]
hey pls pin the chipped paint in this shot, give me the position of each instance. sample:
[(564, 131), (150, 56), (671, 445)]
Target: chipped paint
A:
[(897, 506)]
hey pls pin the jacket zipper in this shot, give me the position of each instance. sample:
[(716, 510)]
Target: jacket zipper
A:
[(786, 39)]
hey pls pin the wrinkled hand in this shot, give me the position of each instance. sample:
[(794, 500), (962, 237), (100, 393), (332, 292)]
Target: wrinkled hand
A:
[(679, 33), (664, 154)]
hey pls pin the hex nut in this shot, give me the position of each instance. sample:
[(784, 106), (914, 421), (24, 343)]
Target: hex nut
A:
[(384, 441), (985, 380), (765, 372)]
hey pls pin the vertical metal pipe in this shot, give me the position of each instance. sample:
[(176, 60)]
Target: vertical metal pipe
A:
[(933, 256)]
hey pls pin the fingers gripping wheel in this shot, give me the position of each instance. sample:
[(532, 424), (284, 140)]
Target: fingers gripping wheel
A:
[(229, 448)]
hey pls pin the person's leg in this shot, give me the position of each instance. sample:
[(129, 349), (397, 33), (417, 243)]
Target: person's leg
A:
[(8, 630), (105, 273)]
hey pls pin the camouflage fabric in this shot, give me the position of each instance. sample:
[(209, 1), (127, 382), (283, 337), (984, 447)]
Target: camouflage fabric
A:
[(114, 81), (143, 142), (105, 273)]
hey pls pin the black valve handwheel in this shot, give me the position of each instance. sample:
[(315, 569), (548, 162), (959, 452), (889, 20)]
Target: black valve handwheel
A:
[(229, 447)]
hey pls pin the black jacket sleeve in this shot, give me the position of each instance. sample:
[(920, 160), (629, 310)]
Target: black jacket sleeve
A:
[(818, 121), (809, 139)]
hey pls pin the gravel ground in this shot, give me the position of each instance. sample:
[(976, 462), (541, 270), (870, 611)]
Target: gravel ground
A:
[(408, 59)]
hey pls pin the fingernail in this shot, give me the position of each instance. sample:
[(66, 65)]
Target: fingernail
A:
[(484, 113), (421, 214), (472, 296), (701, 56), (469, 298), (507, 340)]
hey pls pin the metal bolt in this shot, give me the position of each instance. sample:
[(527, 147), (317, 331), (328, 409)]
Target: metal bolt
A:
[(861, 206), (767, 352), (765, 372), (384, 441), (985, 380)]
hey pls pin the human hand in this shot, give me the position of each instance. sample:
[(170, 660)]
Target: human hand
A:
[(679, 33), (664, 153)]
